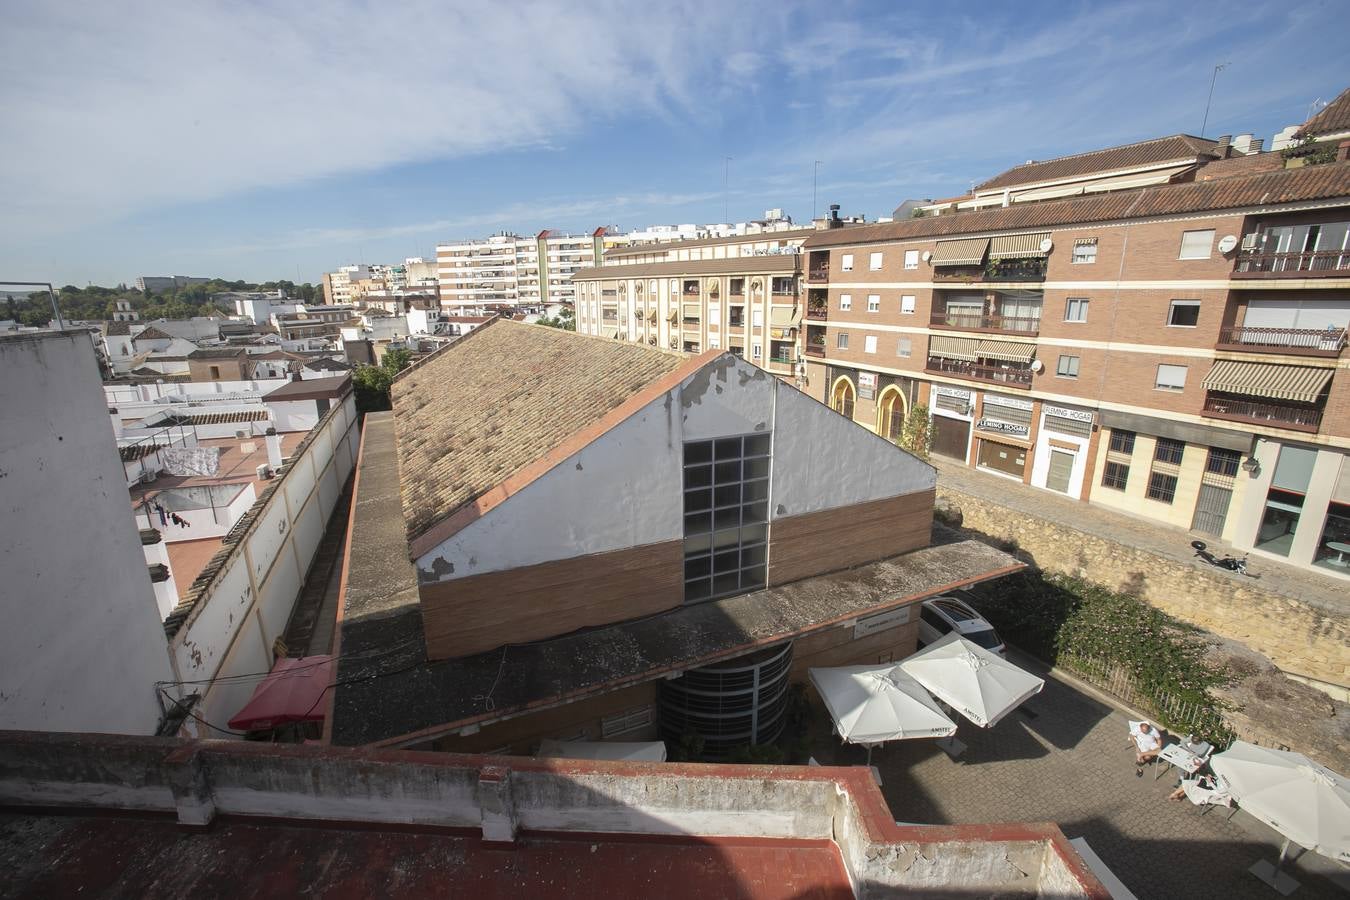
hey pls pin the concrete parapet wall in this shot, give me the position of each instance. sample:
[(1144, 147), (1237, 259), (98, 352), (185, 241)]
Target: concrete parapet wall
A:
[(1297, 636), (198, 780)]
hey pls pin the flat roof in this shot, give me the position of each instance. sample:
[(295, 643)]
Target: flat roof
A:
[(389, 692)]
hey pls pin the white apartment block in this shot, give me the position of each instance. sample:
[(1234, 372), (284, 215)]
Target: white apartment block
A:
[(513, 270)]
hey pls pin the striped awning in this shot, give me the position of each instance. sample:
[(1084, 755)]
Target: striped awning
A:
[(1301, 384), (1018, 246), (965, 349), (964, 252), (780, 316), (1008, 351)]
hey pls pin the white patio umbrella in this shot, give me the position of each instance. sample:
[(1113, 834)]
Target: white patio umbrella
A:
[(980, 685), (1307, 803), (874, 704)]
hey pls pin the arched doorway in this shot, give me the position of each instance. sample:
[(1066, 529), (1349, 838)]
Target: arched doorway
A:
[(842, 396), (891, 414)]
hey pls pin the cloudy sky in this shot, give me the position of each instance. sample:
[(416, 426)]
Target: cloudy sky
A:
[(250, 140)]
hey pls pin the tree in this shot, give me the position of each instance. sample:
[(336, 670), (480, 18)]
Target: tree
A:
[(917, 436), (371, 383), (396, 361)]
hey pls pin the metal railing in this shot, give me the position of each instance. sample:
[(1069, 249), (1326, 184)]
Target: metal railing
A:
[(819, 313), (1179, 715), (815, 350), (967, 321), (1303, 264), (995, 374), (818, 274), (1327, 341), (1261, 412)]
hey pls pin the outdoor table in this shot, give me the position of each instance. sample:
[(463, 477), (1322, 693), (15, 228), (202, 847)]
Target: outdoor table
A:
[(1341, 550), (1179, 756)]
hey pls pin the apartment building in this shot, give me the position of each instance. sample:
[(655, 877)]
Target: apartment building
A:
[(1157, 328), (513, 270), (619, 548), (741, 294)]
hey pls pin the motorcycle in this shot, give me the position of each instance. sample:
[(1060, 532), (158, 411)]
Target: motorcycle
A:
[(1231, 563)]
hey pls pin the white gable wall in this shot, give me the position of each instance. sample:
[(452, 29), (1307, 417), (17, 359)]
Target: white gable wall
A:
[(624, 489)]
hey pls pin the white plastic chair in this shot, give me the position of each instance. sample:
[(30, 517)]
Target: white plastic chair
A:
[(1209, 797)]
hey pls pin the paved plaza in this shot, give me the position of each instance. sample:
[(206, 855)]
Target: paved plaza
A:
[(1064, 758)]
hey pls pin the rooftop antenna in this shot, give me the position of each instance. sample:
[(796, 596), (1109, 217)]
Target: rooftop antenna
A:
[(726, 174), (815, 175), (1217, 69), (1314, 107)]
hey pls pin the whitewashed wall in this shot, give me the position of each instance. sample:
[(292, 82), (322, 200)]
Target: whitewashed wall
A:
[(82, 645), (235, 621), (625, 488)]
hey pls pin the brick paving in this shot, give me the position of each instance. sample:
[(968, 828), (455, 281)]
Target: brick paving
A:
[(1328, 592), (1069, 763)]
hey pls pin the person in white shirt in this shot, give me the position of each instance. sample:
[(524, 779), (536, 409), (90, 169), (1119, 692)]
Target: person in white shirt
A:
[(1148, 742)]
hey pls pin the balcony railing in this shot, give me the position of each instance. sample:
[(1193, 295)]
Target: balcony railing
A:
[(966, 321), (1307, 264), (814, 350), (818, 312), (736, 323), (820, 274), (1302, 341), (783, 358), (995, 374), (1294, 416), (1002, 270)]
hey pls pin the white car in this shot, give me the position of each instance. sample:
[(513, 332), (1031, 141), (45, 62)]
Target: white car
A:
[(941, 615)]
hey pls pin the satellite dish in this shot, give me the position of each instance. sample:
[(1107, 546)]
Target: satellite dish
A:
[(927, 255), (1046, 245), (1036, 365), (1227, 243)]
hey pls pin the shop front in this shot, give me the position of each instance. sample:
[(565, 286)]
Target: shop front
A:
[(951, 409), (1004, 433), (1061, 461)]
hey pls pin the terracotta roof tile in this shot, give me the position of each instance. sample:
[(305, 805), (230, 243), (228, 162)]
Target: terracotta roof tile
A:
[(117, 328), (1178, 147), (663, 246), (151, 333), (1267, 188), (474, 413), (1334, 118), (218, 353)]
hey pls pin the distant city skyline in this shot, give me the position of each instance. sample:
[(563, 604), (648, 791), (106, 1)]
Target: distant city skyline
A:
[(282, 157)]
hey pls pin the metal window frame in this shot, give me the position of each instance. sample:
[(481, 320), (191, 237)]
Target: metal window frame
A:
[(750, 510)]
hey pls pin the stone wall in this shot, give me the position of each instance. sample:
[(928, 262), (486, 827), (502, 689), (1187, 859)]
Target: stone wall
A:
[(1296, 636)]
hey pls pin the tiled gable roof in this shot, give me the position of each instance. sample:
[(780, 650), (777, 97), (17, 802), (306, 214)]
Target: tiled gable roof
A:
[(1268, 188), (1334, 118), (478, 411), (218, 353), (151, 333), (1178, 147), (115, 328)]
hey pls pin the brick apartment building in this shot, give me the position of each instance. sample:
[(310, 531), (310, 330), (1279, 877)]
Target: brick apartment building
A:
[(1156, 328), (673, 295), (636, 543)]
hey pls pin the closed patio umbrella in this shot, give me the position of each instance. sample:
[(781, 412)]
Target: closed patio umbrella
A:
[(980, 685), (874, 704), (1307, 803)]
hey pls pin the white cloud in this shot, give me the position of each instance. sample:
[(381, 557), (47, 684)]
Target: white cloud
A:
[(113, 108)]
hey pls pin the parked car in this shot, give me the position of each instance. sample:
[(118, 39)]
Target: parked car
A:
[(941, 615)]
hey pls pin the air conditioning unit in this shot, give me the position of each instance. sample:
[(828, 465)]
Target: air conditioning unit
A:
[(264, 471), (1249, 241), (240, 435)]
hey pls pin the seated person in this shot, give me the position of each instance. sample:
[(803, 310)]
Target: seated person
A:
[(1203, 789), (1148, 743)]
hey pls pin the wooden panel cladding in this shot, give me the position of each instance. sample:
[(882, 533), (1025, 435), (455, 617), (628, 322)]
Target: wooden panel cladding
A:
[(837, 646), (834, 539), (530, 603)]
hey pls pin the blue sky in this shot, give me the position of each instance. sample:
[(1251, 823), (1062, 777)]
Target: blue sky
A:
[(247, 140)]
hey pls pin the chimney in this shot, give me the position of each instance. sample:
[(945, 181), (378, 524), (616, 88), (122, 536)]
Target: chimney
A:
[(1221, 146), (273, 441), (834, 216), (1257, 144), (1343, 151)]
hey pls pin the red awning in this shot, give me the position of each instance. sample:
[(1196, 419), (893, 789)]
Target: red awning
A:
[(292, 692)]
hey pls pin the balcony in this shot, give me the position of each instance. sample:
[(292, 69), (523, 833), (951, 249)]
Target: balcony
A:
[(962, 320), (818, 275), (818, 312), (1297, 341), (690, 322), (817, 350), (1010, 376), (783, 357), (1305, 264), (1031, 269), (1293, 416)]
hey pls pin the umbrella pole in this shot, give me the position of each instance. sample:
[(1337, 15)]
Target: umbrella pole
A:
[(1284, 853), (869, 756)]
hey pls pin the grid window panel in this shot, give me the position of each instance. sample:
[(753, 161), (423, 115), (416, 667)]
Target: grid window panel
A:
[(1223, 462), (726, 515), (1162, 487), (1122, 441), (1076, 309), (1116, 475), (1169, 451)]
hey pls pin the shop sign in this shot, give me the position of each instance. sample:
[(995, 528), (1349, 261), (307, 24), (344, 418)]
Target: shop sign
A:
[(953, 392), (1009, 402), (867, 385), (1077, 415), (1017, 431), (881, 622)]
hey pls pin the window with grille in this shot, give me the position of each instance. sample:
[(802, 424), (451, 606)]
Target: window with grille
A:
[(1065, 425), (726, 515), (1169, 451), (1116, 475), (1162, 487), (1223, 463), (1122, 441)]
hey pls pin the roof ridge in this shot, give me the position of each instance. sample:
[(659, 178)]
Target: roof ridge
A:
[(1156, 140)]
